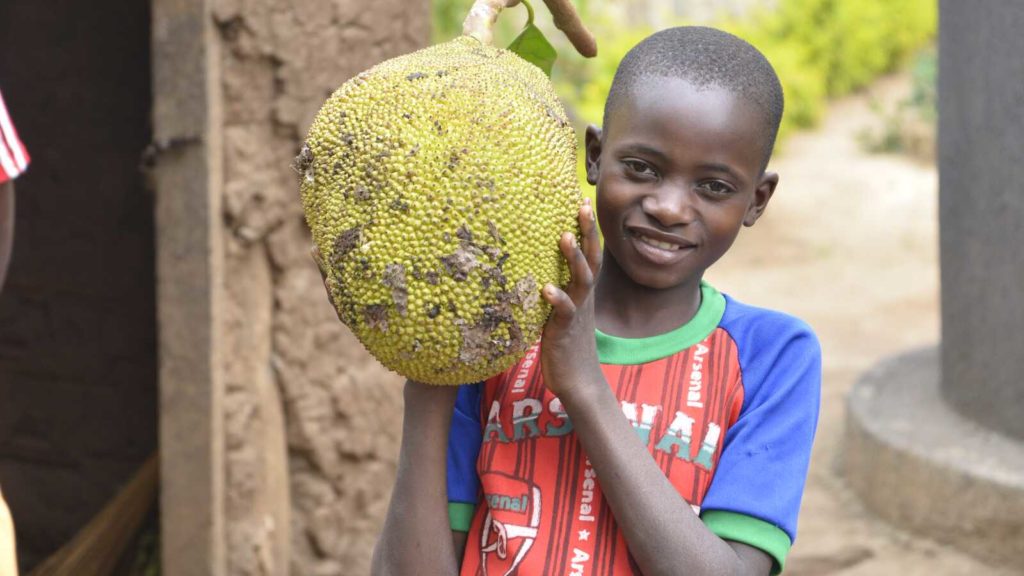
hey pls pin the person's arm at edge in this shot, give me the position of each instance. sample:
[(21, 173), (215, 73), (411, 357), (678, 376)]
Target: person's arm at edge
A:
[(8, 550), (6, 227), (663, 533), (417, 516)]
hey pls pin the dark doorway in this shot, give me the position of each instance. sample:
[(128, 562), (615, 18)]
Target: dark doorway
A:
[(78, 377)]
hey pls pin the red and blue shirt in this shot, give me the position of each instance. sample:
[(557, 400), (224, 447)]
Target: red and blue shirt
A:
[(14, 158), (727, 405)]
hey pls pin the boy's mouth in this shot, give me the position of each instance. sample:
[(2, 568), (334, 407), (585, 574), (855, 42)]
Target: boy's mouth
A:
[(657, 243), (659, 248), (659, 240)]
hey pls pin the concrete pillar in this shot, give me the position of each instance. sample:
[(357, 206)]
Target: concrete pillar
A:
[(935, 438), (981, 210)]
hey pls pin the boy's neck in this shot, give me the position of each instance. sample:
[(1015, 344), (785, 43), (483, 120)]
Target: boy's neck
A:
[(627, 309)]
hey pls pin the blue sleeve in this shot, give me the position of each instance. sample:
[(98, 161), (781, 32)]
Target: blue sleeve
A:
[(464, 440), (766, 454)]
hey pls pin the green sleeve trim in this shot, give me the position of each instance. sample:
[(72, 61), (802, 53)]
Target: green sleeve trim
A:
[(616, 350), (751, 531), (460, 515)]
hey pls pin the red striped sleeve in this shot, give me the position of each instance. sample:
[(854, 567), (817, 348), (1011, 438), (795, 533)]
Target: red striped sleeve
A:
[(14, 157)]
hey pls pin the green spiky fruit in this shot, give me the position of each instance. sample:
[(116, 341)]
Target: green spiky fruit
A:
[(437, 185)]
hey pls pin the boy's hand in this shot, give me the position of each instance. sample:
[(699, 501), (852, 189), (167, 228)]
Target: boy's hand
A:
[(569, 349)]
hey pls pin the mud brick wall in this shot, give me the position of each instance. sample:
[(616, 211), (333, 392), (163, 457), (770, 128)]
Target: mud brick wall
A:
[(285, 347)]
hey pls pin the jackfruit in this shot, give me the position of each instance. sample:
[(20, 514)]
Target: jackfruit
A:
[(436, 186)]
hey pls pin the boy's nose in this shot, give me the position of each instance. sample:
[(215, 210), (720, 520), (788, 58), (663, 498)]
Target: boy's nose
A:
[(671, 206)]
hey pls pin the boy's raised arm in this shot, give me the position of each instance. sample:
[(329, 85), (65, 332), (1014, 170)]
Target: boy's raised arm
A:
[(416, 538), (663, 533)]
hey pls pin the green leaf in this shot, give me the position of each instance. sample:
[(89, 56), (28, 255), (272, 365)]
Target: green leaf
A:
[(532, 46)]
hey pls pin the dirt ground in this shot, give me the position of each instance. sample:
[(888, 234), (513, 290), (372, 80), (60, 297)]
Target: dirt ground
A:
[(849, 244)]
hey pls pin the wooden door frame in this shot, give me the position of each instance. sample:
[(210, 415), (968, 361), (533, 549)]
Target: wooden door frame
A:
[(187, 174)]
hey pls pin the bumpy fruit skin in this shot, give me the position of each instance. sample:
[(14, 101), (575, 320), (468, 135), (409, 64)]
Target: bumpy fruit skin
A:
[(437, 185)]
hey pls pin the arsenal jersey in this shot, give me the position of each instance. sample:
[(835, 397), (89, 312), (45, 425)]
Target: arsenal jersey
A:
[(727, 406)]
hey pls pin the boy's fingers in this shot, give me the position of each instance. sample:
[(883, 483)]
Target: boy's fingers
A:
[(582, 278), (562, 307), (591, 239)]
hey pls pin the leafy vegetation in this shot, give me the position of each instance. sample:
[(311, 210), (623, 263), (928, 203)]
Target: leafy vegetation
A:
[(819, 48), (909, 126)]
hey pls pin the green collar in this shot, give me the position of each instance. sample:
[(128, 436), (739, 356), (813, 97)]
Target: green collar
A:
[(616, 350)]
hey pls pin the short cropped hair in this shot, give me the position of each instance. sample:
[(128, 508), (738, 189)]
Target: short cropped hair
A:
[(704, 57)]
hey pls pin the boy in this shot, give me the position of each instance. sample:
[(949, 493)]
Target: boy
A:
[(13, 161), (661, 428)]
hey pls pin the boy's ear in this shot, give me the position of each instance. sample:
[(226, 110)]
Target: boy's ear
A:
[(592, 147), (762, 194)]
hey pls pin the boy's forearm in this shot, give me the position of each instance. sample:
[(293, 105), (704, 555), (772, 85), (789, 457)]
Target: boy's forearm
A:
[(416, 538), (662, 531)]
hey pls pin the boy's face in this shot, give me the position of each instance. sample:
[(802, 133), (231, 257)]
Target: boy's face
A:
[(678, 172)]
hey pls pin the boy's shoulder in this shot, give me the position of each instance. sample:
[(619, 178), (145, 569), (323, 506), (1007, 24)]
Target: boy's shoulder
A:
[(756, 325), (772, 345)]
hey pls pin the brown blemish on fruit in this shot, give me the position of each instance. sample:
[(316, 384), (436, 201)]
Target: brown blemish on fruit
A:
[(459, 264), (526, 294), (376, 317), (345, 243), (493, 252), (303, 163), (394, 278), (495, 275), (479, 341), (493, 231)]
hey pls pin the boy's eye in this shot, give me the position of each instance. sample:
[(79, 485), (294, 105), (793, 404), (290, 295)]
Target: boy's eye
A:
[(716, 187), (639, 167)]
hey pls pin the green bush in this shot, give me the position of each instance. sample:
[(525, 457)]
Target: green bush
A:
[(908, 126), (819, 48), (827, 48)]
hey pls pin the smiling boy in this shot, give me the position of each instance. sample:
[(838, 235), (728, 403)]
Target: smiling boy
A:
[(661, 427)]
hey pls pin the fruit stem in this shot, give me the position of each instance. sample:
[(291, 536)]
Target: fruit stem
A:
[(529, 12), (479, 23)]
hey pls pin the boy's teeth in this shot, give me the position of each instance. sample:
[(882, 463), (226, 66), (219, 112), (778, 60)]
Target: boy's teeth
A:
[(658, 243)]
